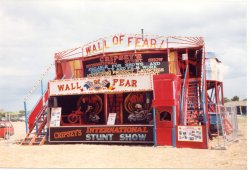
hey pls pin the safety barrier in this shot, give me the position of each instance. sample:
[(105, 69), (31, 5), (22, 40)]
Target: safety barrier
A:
[(226, 125), (229, 119)]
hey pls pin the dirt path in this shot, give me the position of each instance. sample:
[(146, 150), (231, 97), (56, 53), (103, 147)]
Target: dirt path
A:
[(13, 155)]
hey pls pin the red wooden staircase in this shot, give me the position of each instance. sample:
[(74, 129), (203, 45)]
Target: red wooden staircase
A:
[(36, 119), (193, 102), (37, 122)]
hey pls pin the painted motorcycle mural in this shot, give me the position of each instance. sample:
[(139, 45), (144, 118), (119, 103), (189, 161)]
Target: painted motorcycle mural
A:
[(138, 107), (89, 108)]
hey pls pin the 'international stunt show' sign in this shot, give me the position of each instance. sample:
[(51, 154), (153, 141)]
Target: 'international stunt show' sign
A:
[(115, 134)]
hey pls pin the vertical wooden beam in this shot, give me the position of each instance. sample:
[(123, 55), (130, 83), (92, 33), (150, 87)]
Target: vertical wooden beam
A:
[(121, 111), (216, 94), (222, 94), (105, 108), (154, 131)]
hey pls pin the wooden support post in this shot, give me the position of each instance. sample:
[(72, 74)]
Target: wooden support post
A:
[(154, 131), (105, 108)]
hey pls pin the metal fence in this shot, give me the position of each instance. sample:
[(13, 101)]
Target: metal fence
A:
[(7, 130), (226, 125)]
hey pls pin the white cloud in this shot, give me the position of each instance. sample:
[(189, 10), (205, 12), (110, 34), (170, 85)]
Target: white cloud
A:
[(235, 87)]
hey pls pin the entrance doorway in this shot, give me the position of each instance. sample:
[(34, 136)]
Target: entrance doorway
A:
[(114, 105)]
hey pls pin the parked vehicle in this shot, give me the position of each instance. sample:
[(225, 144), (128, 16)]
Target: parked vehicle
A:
[(22, 118), (6, 129), (3, 119), (14, 119)]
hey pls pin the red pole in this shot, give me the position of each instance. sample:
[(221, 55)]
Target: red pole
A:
[(222, 94)]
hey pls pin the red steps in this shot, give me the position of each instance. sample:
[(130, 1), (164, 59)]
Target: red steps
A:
[(35, 135), (193, 103)]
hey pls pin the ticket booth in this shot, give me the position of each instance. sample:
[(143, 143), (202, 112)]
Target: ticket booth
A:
[(164, 125), (166, 102)]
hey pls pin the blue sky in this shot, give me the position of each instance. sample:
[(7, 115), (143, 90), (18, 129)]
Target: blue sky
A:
[(32, 31)]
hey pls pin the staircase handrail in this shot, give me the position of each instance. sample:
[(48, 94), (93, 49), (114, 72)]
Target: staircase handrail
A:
[(203, 94), (40, 102), (36, 84), (183, 94), (38, 117), (32, 125), (203, 88)]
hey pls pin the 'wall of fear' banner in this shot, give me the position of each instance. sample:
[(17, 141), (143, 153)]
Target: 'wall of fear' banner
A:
[(125, 83)]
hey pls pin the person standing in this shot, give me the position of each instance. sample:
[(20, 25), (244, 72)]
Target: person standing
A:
[(84, 108)]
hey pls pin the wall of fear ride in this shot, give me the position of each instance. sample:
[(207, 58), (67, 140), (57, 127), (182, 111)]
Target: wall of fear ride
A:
[(153, 88)]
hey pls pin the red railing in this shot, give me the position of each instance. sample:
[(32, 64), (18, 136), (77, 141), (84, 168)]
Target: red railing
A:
[(37, 98), (37, 109)]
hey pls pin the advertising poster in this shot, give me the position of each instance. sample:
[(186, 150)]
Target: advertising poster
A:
[(190, 133), (55, 116)]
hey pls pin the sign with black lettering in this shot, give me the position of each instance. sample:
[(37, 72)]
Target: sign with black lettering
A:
[(111, 119), (103, 134), (126, 64), (55, 116)]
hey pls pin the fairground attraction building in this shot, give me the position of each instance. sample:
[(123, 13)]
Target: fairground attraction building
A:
[(130, 89)]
